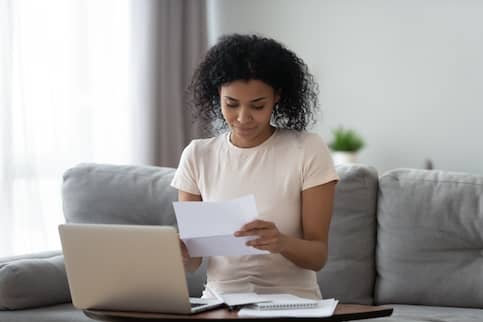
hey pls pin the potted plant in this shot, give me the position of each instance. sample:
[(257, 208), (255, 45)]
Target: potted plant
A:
[(345, 145)]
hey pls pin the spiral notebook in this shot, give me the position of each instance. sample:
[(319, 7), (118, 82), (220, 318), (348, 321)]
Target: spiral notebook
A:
[(267, 302), (284, 302), (324, 308)]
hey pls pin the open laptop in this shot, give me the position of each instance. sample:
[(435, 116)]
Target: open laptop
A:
[(127, 268)]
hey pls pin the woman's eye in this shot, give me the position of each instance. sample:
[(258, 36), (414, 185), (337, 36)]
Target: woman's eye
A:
[(259, 107), (231, 105)]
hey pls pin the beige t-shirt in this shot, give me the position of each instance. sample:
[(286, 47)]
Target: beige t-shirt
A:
[(275, 172)]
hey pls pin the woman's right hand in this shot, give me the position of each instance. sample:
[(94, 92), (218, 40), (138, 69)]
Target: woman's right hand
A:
[(184, 253), (191, 264)]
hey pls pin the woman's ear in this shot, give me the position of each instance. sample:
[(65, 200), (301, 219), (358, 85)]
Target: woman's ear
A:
[(277, 96)]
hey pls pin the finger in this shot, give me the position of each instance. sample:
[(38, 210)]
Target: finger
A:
[(265, 232), (241, 233), (257, 224), (261, 242), (248, 229), (251, 232)]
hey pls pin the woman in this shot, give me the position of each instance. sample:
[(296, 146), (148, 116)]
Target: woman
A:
[(266, 97)]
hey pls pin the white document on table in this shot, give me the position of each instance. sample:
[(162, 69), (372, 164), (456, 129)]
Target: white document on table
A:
[(325, 308), (207, 227), (268, 300)]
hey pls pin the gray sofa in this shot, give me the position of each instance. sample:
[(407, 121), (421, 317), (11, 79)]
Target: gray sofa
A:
[(409, 239)]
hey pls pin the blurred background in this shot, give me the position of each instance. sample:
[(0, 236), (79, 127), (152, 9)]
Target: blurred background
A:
[(104, 81)]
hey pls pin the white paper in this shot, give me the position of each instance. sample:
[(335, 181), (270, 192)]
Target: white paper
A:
[(284, 299), (324, 309), (234, 299), (207, 227)]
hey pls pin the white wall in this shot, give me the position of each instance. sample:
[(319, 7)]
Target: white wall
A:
[(407, 74)]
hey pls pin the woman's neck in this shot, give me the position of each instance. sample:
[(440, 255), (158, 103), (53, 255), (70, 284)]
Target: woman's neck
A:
[(252, 142)]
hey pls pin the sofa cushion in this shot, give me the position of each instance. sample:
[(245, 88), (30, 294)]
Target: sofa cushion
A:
[(420, 313), (33, 281), (55, 313), (430, 238), (112, 194), (38, 255), (350, 271)]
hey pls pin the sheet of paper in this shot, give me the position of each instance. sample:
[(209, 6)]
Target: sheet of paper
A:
[(324, 309), (287, 299), (207, 227), (223, 245), (234, 299)]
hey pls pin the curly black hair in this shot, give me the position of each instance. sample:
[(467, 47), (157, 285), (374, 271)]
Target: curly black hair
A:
[(246, 57)]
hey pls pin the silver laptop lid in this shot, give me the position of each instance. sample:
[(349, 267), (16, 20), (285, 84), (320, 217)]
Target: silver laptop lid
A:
[(125, 268)]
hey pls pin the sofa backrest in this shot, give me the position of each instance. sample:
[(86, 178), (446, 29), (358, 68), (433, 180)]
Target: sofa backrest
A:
[(114, 194), (141, 195), (350, 272), (430, 238)]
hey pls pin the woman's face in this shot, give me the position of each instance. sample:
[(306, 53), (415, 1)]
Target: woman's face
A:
[(247, 107)]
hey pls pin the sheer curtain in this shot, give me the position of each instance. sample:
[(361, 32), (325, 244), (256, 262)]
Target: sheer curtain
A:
[(64, 99), (169, 41)]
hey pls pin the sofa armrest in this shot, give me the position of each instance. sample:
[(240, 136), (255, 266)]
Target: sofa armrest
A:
[(38, 255), (33, 280)]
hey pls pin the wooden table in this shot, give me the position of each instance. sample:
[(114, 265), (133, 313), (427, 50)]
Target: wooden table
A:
[(343, 312)]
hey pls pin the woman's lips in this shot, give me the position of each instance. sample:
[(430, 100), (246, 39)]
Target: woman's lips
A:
[(245, 130)]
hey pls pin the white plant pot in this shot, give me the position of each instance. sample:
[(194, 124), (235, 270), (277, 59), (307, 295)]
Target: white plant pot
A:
[(341, 157)]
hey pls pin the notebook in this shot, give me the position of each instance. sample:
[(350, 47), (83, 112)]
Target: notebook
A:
[(256, 301), (324, 308), (284, 302)]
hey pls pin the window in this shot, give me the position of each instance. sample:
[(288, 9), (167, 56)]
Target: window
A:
[(64, 86)]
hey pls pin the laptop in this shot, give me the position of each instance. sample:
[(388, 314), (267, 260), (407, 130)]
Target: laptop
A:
[(127, 268)]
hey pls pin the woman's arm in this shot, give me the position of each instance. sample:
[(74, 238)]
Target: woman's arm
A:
[(309, 252), (191, 264)]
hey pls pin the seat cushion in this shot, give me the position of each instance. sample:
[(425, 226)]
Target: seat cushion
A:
[(419, 313), (350, 272), (430, 238), (55, 313)]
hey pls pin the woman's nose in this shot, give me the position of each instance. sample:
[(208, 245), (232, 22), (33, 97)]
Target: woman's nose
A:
[(244, 115)]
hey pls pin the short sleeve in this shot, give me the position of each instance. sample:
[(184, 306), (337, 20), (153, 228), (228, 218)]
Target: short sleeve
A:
[(185, 177), (318, 167)]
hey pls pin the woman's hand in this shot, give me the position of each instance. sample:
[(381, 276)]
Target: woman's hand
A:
[(191, 264), (269, 237), (184, 252)]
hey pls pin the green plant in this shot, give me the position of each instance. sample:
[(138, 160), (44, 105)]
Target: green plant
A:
[(346, 140)]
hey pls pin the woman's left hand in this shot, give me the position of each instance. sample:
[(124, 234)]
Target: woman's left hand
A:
[(269, 237)]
